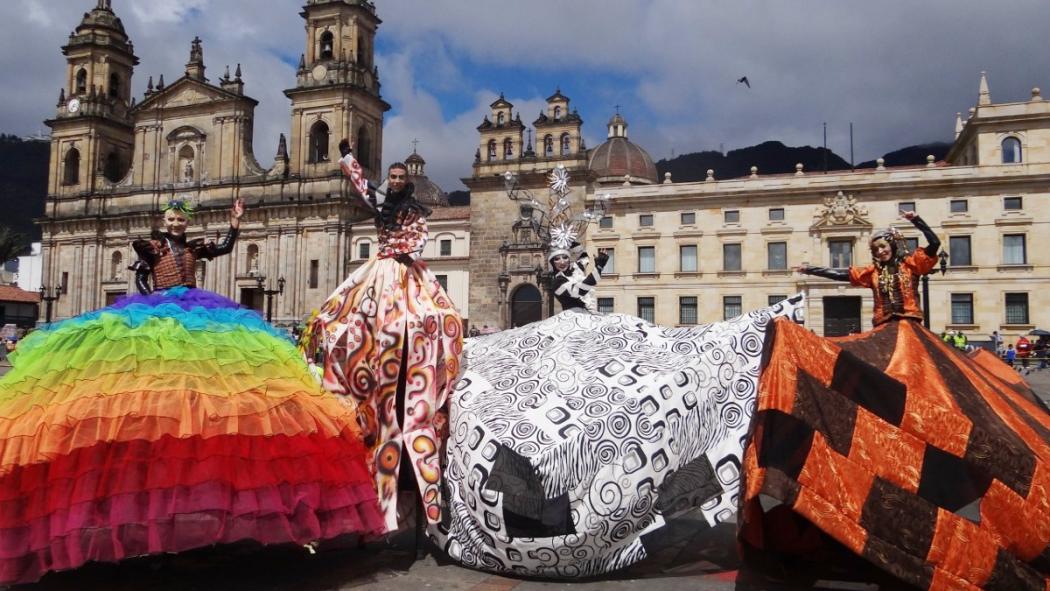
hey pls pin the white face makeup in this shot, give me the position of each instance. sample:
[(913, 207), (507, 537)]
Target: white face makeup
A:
[(881, 250), (175, 222), (561, 262)]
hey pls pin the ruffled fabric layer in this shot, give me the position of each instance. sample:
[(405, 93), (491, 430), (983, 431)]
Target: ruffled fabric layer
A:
[(164, 423)]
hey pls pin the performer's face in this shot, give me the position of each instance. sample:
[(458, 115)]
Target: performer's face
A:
[(561, 262), (396, 178), (175, 222), (881, 250)]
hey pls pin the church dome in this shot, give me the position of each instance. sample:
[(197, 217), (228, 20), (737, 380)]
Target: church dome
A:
[(101, 17), (618, 157)]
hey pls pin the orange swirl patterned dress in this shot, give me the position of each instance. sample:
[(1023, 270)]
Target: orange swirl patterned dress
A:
[(390, 318)]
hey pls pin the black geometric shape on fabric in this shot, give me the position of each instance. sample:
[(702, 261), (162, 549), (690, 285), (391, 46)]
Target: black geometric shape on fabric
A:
[(993, 445), (688, 487), (907, 567), (1042, 562), (902, 518), (949, 481), (527, 512), (555, 520), (869, 387), (786, 442), (829, 412), (1010, 574), (1013, 465)]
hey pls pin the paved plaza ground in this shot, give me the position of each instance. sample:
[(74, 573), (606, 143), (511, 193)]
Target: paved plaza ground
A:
[(693, 557)]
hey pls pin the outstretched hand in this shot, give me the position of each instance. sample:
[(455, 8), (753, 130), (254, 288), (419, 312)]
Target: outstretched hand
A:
[(803, 268), (236, 212), (909, 215)]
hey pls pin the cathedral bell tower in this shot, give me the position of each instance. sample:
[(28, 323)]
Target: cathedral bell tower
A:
[(336, 94), (91, 134)]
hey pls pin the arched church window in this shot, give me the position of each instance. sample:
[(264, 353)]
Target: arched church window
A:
[(112, 167), (492, 149), (318, 148), (557, 112), (114, 85), (116, 265), (327, 45), (499, 119), (508, 148), (1011, 150), (71, 172), (548, 145), (566, 145), (81, 85), (364, 147)]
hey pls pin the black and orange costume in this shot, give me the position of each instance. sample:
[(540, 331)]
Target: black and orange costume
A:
[(931, 466), (172, 260), (894, 284)]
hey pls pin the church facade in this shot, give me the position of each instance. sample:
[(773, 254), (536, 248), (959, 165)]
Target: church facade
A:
[(116, 160)]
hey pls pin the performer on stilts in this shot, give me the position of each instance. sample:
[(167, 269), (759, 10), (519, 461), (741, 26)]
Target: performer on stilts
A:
[(573, 285), (894, 275), (392, 339), (167, 422)]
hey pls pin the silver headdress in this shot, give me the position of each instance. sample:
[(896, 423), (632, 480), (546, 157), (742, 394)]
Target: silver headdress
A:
[(552, 219)]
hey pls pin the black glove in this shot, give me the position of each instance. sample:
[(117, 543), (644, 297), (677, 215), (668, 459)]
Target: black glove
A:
[(600, 260)]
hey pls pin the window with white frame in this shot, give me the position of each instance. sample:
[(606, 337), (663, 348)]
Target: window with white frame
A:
[(962, 308), (1014, 250), (776, 214), (776, 256), (606, 222), (610, 265), (959, 206), (647, 309), (646, 259), (776, 299), (364, 250), (732, 306), (687, 310), (1017, 308), (1011, 150), (1012, 204), (731, 257), (840, 253), (605, 305), (687, 258), (446, 247), (906, 206), (731, 216), (688, 218), (645, 220), (959, 254)]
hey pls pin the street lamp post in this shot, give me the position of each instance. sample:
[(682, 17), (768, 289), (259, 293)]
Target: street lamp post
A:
[(270, 293), (926, 290), (49, 295)]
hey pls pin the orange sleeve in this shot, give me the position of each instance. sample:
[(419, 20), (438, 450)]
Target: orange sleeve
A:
[(922, 263), (862, 276)]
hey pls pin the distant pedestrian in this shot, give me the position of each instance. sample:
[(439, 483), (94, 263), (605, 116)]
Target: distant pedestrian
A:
[(1011, 355), (997, 343)]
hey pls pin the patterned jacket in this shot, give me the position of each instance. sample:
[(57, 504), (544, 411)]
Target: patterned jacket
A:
[(172, 260)]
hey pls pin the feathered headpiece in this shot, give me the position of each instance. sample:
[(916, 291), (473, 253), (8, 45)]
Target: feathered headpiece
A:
[(553, 220), (182, 205)]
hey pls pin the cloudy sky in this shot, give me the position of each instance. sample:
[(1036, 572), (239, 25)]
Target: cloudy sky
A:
[(898, 69)]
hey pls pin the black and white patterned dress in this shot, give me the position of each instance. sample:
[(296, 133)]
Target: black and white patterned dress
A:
[(573, 438)]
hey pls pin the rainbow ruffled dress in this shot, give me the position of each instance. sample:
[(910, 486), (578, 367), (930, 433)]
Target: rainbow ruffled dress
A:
[(164, 423)]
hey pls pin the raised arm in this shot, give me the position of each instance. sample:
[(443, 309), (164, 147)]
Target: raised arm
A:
[(933, 242)]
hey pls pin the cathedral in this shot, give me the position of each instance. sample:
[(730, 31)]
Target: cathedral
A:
[(115, 160)]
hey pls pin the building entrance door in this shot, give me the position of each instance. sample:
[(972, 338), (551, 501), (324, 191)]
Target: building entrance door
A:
[(252, 297), (526, 305), (841, 316)]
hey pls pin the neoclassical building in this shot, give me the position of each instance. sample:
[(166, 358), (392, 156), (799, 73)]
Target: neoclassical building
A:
[(705, 251), (116, 159), (686, 253)]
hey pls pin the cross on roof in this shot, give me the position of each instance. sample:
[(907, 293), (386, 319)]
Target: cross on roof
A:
[(415, 144)]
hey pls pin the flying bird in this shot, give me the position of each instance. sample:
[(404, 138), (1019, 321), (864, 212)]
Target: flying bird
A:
[(744, 81)]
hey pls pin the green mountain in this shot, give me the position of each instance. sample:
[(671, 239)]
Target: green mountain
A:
[(23, 183)]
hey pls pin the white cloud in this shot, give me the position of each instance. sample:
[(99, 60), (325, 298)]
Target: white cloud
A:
[(898, 69)]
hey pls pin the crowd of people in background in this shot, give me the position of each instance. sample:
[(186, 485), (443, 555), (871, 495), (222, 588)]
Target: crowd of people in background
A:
[(1024, 355)]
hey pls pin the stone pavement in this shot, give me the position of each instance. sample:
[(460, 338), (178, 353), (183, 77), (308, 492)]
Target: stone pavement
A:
[(692, 557)]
